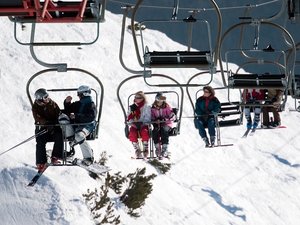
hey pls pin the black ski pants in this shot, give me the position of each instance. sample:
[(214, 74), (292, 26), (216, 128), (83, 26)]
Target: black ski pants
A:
[(160, 134), (54, 135)]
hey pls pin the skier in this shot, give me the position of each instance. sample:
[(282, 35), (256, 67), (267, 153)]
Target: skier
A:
[(82, 111), (161, 116), (274, 97), (139, 116), (206, 108), (46, 112), (253, 96)]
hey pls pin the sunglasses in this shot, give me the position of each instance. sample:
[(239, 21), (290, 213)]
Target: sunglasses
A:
[(44, 98), (138, 97)]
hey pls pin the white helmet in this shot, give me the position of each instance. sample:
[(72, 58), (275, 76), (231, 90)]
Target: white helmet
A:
[(84, 90), (41, 94)]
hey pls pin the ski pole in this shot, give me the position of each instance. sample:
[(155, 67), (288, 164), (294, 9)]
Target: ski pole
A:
[(28, 139)]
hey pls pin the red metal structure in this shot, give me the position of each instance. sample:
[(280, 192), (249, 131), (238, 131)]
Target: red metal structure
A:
[(51, 11)]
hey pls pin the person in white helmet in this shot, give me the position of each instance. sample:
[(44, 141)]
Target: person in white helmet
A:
[(46, 112), (82, 111)]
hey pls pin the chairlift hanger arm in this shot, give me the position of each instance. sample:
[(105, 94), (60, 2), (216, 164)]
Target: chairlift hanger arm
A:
[(125, 14), (197, 85)]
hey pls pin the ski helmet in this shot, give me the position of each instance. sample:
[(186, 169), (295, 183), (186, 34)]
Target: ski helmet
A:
[(84, 90), (159, 96), (41, 94)]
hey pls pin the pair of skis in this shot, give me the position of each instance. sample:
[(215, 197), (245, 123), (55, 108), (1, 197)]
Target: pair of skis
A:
[(249, 132), (94, 168)]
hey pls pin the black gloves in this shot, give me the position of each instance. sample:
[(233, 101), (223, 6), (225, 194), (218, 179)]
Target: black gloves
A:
[(133, 107)]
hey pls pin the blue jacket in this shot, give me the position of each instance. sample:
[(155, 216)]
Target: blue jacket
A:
[(207, 106), (85, 111)]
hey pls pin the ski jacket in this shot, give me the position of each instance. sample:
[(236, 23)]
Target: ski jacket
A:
[(85, 110), (46, 114), (275, 95), (139, 113), (164, 113), (207, 106), (251, 95)]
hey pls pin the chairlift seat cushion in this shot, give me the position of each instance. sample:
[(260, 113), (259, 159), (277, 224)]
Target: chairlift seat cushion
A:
[(177, 59), (257, 81)]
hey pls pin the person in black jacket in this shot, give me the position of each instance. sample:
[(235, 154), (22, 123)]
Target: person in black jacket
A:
[(207, 106), (82, 111)]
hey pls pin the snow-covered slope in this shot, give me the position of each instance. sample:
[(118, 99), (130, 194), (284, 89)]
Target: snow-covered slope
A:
[(256, 181)]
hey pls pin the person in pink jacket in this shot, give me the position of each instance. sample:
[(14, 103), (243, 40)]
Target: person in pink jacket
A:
[(162, 117)]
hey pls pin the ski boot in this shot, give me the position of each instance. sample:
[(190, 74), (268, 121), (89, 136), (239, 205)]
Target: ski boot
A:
[(212, 141), (206, 141)]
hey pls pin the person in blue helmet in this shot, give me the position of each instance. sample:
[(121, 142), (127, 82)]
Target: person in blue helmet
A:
[(82, 111)]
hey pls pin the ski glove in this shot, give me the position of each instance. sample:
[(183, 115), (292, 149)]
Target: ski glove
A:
[(133, 107)]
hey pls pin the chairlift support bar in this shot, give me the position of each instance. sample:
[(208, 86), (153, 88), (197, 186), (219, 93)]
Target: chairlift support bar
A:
[(34, 11), (56, 43), (175, 10)]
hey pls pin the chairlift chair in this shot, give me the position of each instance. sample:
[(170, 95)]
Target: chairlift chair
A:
[(53, 11), (231, 113), (272, 68), (97, 92), (204, 59), (177, 107), (177, 59)]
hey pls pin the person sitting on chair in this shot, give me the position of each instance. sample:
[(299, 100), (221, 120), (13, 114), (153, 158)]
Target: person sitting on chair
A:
[(206, 108), (138, 116), (253, 96), (274, 98), (161, 116), (46, 112), (82, 111)]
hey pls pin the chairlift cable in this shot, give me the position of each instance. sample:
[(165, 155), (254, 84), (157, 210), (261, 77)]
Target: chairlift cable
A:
[(201, 9)]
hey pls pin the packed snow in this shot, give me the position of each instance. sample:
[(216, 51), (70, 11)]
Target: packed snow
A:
[(255, 181)]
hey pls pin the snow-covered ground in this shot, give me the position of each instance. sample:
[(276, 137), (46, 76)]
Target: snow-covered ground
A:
[(255, 181)]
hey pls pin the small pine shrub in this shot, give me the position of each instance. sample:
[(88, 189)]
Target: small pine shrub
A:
[(162, 168), (101, 207), (139, 187), (115, 182)]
